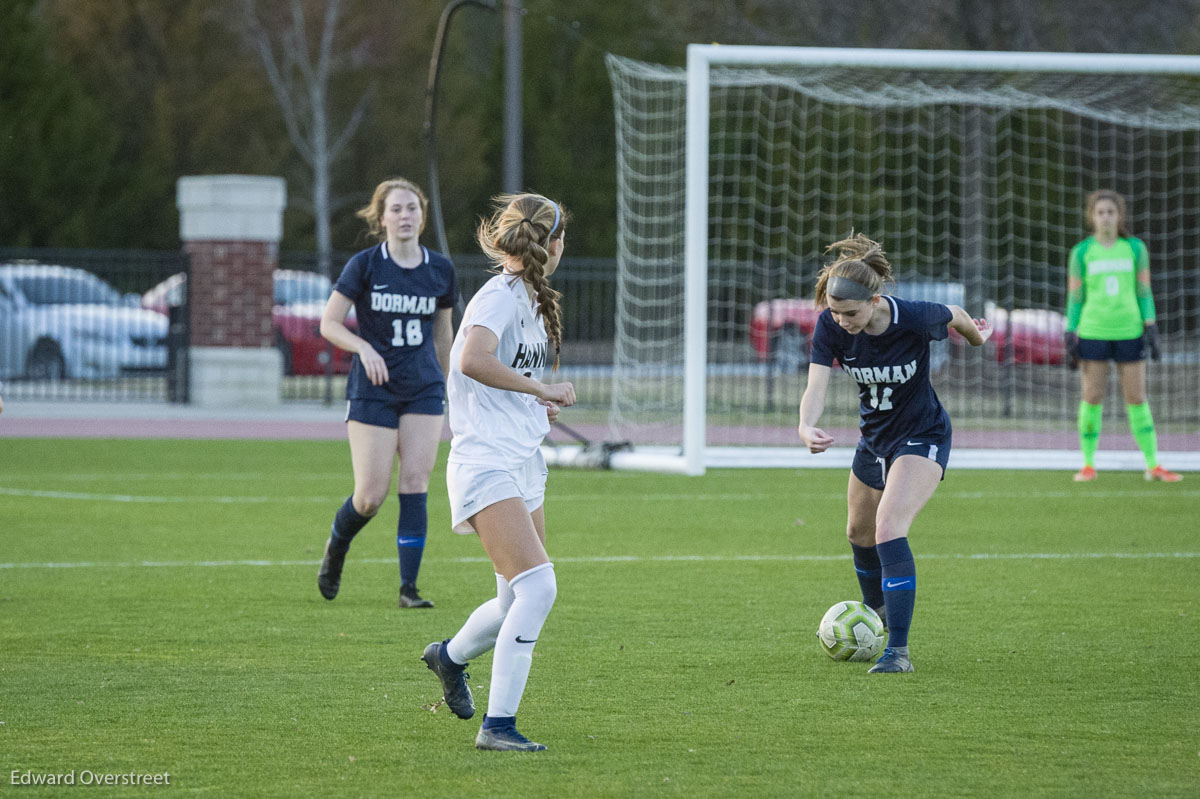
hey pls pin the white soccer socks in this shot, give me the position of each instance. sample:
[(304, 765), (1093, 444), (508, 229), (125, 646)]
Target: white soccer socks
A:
[(511, 622), (534, 591), (478, 635)]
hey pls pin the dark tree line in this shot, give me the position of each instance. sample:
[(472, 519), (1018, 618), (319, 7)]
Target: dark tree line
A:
[(104, 104)]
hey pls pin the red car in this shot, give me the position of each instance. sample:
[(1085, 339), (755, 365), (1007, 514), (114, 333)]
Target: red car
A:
[(1037, 335), (299, 301), (781, 330)]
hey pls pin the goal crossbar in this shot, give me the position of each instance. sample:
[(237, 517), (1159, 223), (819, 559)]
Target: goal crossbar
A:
[(706, 55)]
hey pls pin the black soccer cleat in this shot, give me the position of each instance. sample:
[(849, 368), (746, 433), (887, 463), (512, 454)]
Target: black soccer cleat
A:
[(455, 690), (329, 578), (892, 661), (505, 740), (409, 598)]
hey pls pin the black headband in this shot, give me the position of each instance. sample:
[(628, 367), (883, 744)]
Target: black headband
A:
[(846, 289)]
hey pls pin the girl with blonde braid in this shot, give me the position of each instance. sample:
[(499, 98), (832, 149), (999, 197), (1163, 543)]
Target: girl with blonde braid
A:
[(500, 410)]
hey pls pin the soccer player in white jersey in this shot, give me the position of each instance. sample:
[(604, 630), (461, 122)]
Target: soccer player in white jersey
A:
[(403, 295), (500, 411), (882, 342)]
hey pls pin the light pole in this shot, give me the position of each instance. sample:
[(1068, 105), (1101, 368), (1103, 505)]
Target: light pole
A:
[(513, 179)]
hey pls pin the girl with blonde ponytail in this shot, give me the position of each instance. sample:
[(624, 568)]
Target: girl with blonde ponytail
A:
[(882, 343), (403, 295), (500, 410)]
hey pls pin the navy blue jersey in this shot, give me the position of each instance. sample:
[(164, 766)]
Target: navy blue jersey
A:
[(395, 308), (896, 401)]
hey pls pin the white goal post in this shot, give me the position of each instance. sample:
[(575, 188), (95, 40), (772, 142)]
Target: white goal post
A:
[(969, 167)]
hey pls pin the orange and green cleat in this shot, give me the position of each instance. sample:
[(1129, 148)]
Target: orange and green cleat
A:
[(1163, 475)]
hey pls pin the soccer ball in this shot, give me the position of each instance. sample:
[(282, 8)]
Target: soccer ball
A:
[(851, 631)]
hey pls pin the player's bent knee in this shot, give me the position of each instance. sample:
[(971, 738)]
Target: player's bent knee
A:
[(367, 505), (890, 532), (537, 586), (861, 536)]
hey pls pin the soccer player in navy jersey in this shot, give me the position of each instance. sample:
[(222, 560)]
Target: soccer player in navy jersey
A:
[(403, 295), (882, 342)]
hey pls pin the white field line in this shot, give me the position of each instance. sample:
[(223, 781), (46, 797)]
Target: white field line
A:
[(191, 477), (189, 564), (1082, 493)]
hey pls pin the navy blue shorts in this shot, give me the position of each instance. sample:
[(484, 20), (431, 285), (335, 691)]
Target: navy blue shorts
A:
[(872, 469), (1124, 351), (387, 413)]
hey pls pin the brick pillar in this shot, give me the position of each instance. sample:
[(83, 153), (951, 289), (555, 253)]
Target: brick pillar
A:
[(230, 226)]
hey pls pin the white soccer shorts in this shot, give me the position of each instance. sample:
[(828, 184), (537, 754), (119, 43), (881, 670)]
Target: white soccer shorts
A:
[(473, 487)]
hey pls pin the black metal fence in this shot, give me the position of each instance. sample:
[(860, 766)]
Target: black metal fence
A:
[(83, 325)]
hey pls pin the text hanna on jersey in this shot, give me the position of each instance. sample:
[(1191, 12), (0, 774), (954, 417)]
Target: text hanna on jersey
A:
[(530, 357)]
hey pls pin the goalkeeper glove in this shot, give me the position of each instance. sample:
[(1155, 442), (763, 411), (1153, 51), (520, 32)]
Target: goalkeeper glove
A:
[(1071, 342), (1150, 338)]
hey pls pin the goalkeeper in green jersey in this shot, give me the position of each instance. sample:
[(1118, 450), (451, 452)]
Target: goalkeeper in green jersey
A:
[(1110, 317)]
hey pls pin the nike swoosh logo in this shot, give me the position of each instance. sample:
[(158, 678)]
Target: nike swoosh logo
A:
[(915, 444), (855, 358), (379, 288), (897, 584), (521, 640)]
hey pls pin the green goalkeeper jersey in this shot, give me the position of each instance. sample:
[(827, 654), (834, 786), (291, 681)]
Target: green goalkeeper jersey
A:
[(1113, 303)]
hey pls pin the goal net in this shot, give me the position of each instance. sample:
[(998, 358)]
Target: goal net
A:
[(970, 169)]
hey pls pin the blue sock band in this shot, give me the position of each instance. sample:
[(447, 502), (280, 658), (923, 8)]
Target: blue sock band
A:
[(899, 588), (500, 722), (869, 572), (410, 535), (347, 523), (444, 657)]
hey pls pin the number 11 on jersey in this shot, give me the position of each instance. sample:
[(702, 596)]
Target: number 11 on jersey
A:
[(881, 401)]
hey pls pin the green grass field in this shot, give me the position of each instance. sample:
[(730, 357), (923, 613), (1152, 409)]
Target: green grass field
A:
[(159, 613)]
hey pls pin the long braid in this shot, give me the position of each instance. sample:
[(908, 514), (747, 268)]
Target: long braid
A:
[(549, 307), (519, 232)]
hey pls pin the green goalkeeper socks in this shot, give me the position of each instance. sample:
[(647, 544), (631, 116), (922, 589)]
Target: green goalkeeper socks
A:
[(1090, 417), (1141, 424)]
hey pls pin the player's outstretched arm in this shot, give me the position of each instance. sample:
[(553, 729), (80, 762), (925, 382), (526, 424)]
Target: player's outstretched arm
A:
[(812, 404), (975, 331)]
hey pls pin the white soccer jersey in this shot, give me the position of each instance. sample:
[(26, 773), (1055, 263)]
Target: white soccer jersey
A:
[(489, 425)]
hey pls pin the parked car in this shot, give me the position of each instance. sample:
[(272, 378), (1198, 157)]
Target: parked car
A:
[(62, 322), (299, 301), (781, 330), (1037, 334)]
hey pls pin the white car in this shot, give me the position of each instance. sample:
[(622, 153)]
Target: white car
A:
[(58, 322)]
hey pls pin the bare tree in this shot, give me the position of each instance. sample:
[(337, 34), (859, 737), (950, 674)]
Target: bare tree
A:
[(300, 76)]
